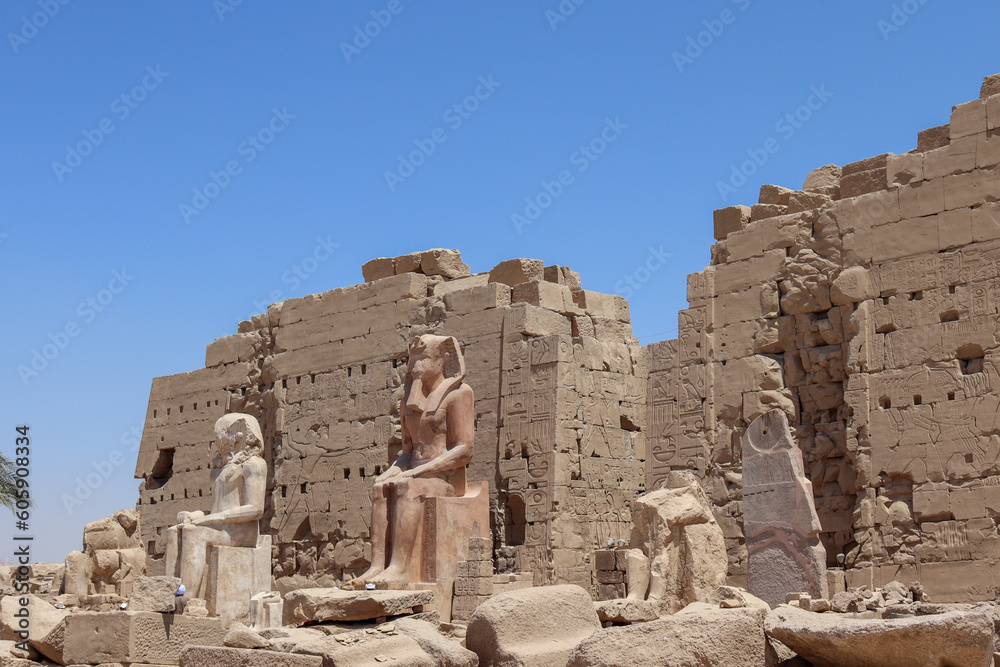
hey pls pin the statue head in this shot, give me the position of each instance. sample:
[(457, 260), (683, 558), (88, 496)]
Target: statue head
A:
[(436, 364), (238, 434)]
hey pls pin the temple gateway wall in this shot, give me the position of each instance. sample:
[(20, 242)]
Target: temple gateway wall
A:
[(560, 407), (864, 305)]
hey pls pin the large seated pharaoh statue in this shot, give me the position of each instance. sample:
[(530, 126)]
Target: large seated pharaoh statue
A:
[(423, 511), (237, 506)]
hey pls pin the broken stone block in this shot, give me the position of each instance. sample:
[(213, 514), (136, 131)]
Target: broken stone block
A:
[(823, 178), (367, 648), (625, 611), (516, 271), (443, 651), (729, 220), (730, 637), (128, 637), (684, 544), (955, 638), (218, 656), (443, 262), (534, 626), (774, 195), (779, 515), (332, 604), (380, 267), (240, 636), (990, 87), (154, 594)]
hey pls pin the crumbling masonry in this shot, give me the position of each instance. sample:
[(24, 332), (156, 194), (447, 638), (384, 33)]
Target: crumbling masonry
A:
[(863, 305)]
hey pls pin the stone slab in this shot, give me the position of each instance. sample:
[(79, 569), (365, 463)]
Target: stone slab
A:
[(217, 656), (333, 604), (955, 638)]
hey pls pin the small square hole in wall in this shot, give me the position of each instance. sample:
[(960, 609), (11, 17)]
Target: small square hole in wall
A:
[(361, 472), (916, 296), (917, 399), (168, 412), (348, 371), (951, 396), (968, 459), (364, 368), (951, 289), (884, 403), (303, 488), (347, 473), (154, 414), (378, 470), (284, 491), (199, 493), (182, 408), (885, 301)]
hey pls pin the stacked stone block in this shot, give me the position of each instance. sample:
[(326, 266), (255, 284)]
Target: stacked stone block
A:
[(863, 306), (560, 411), (610, 580), (474, 584)]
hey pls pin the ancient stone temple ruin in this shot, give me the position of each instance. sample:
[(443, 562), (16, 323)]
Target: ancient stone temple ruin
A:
[(863, 306), (460, 468)]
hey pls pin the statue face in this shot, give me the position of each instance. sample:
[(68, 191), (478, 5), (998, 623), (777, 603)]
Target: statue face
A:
[(427, 358), (229, 441)]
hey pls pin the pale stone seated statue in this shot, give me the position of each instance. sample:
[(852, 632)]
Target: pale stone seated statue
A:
[(237, 505), (438, 428)]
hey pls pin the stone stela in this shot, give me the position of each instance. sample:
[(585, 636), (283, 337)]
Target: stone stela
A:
[(779, 518)]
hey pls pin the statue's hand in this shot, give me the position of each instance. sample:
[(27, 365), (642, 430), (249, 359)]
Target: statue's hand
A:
[(393, 471), (192, 517), (199, 520)]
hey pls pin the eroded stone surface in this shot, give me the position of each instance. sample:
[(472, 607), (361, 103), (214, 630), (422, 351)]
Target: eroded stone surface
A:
[(626, 611), (535, 626), (684, 548), (830, 640), (331, 604), (779, 518), (734, 638)]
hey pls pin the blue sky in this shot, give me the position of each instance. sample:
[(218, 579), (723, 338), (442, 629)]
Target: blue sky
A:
[(170, 168)]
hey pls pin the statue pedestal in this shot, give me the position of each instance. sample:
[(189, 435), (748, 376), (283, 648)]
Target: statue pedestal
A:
[(235, 575), (448, 525)]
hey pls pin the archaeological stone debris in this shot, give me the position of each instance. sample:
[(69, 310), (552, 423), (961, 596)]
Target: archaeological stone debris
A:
[(441, 467)]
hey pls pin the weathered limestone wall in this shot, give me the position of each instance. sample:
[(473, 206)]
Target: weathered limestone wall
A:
[(560, 408), (865, 306)]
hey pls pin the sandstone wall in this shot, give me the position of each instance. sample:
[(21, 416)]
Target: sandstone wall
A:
[(865, 306), (560, 408)]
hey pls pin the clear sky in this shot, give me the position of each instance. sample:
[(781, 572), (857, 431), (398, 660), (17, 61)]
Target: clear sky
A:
[(170, 168)]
